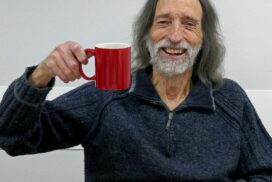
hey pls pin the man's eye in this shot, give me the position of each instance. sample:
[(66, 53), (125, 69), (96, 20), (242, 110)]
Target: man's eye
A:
[(190, 25), (163, 22)]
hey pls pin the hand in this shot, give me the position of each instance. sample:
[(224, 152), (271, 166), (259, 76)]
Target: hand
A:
[(62, 62)]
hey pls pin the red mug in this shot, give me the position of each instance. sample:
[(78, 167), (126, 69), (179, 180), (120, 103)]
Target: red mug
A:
[(112, 66)]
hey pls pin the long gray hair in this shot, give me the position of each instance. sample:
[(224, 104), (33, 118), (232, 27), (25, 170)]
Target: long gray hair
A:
[(208, 65)]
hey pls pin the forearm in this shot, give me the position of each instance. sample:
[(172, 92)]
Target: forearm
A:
[(40, 77), (19, 112)]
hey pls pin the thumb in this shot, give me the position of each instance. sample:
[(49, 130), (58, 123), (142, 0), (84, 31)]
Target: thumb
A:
[(89, 53)]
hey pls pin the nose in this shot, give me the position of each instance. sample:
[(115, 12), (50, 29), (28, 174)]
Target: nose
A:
[(175, 33)]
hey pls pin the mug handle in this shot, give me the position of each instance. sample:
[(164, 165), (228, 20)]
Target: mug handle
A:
[(88, 52)]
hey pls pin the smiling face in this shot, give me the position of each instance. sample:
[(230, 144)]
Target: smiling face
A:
[(175, 37)]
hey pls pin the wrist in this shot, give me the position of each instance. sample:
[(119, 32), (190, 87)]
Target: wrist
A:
[(40, 77)]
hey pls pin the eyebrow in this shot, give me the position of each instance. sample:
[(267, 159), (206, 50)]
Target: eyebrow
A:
[(192, 19), (167, 15)]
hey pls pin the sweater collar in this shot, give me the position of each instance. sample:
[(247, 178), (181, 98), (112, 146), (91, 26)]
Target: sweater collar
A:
[(200, 96)]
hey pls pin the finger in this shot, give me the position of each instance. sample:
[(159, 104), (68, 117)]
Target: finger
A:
[(78, 52), (80, 57), (74, 67), (65, 61), (60, 74), (66, 70), (53, 67), (72, 64)]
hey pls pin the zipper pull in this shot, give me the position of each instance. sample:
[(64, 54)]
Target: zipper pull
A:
[(170, 117)]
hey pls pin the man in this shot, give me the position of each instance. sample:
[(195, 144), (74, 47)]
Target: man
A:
[(180, 121)]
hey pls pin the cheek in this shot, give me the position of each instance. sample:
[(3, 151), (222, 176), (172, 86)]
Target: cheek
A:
[(157, 35), (199, 35), (193, 38)]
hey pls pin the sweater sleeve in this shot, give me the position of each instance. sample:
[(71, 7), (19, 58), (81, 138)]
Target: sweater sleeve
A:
[(256, 147), (29, 124)]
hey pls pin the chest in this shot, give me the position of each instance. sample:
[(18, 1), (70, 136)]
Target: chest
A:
[(150, 138)]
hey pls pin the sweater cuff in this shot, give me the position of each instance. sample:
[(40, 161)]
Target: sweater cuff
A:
[(28, 94)]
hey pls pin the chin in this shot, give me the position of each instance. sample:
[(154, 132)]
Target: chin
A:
[(171, 71), (172, 68)]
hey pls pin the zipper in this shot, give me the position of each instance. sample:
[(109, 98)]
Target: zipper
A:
[(169, 121), (170, 113), (170, 147)]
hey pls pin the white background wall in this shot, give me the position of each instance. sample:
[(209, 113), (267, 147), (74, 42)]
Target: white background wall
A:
[(30, 29), (247, 27)]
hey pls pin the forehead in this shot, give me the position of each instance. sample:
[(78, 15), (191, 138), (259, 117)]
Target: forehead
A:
[(190, 8)]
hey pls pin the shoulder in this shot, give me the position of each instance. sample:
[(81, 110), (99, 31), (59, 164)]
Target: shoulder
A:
[(230, 89), (230, 98)]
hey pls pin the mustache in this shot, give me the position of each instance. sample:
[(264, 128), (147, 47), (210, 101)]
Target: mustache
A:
[(166, 43), (154, 48)]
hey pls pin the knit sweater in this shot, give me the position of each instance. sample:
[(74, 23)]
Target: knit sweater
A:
[(131, 135)]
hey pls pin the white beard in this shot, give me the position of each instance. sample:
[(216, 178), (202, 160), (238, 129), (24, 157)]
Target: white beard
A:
[(169, 67)]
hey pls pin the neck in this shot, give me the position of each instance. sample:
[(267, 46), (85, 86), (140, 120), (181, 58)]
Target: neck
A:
[(172, 89)]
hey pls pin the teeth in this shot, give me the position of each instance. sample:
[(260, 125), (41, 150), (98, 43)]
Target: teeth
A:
[(175, 51)]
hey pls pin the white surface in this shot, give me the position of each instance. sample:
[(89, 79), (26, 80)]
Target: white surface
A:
[(57, 166), (262, 101)]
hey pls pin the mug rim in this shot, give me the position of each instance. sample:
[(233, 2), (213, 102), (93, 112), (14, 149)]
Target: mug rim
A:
[(112, 45)]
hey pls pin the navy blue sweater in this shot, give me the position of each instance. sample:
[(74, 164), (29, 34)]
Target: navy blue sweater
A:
[(214, 135)]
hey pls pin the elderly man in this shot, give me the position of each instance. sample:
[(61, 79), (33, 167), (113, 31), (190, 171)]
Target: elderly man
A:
[(180, 121)]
